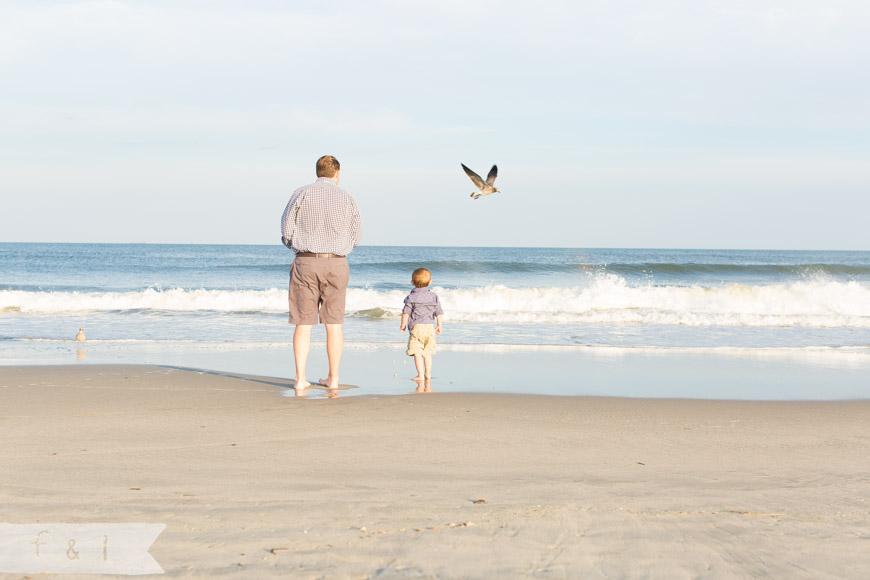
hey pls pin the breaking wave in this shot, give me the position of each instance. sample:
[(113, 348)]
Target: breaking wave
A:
[(628, 270), (607, 299)]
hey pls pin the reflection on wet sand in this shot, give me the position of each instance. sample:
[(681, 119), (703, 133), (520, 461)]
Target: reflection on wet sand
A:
[(320, 390)]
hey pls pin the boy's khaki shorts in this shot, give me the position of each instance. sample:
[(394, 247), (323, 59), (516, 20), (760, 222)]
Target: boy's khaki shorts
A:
[(318, 287), (422, 340)]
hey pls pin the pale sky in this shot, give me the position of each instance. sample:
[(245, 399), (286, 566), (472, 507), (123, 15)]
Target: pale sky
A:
[(627, 123)]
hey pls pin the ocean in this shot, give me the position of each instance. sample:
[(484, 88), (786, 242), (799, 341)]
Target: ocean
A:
[(532, 296), (632, 322)]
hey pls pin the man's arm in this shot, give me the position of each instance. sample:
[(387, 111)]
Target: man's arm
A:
[(355, 224), (288, 221)]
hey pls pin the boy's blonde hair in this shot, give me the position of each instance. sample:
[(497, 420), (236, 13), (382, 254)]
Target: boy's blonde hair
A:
[(421, 277)]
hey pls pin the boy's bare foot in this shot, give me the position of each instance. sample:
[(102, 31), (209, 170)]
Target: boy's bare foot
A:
[(418, 378), (329, 382)]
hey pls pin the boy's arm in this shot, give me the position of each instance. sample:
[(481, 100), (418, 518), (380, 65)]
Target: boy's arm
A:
[(406, 313), (439, 314)]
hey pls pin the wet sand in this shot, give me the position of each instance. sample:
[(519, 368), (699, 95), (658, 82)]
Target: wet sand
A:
[(765, 374), (254, 484)]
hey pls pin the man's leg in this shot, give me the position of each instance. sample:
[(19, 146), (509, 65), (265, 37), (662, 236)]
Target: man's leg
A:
[(334, 347), (301, 347)]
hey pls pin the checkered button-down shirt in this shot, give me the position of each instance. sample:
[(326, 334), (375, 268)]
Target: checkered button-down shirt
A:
[(321, 218)]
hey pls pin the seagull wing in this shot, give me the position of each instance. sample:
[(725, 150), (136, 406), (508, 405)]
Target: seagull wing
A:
[(493, 173), (475, 178)]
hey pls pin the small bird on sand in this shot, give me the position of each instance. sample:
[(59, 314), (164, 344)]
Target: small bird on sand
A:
[(80, 337), (484, 187)]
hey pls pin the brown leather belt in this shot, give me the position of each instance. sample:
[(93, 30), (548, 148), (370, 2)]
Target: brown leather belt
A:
[(313, 255)]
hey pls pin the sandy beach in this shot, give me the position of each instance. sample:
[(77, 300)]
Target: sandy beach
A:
[(254, 484)]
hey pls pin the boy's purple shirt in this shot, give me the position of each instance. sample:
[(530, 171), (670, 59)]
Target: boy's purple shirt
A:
[(422, 305)]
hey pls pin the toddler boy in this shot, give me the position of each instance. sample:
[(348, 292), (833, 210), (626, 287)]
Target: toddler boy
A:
[(422, 316)]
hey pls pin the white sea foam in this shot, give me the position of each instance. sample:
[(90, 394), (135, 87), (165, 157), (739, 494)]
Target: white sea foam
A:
[(819, 303), (172, 300)]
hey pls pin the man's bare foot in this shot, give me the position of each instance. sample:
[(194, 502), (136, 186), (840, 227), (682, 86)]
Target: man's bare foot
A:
[(301, 385), (418, 378), (329, 383)]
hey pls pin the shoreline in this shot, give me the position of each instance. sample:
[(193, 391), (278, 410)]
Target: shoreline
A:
[(253, 484), (383, 369)]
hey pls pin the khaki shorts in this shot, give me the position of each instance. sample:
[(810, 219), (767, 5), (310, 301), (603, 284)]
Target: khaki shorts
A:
[(318, 287), (422, 340)]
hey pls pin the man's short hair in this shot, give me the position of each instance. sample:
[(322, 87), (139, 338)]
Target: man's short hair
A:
[(327, 166), (421, 277)]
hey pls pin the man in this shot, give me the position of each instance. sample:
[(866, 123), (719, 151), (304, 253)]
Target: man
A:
[(321, 224)]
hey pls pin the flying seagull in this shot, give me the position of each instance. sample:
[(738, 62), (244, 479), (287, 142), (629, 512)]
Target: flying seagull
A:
[(484, 187)]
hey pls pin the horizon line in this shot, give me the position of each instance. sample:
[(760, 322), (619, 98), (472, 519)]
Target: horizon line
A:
[(660, 248)]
